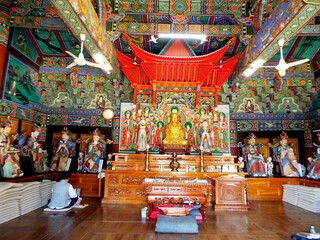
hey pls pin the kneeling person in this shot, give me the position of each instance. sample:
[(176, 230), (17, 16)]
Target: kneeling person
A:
[(63, 194)]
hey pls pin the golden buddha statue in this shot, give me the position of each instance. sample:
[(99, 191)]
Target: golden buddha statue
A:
[(175, 132)]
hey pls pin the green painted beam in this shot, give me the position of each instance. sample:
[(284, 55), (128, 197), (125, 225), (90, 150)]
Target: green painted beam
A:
[(37, 22), (151, 29), (294, 25), (310, 30)]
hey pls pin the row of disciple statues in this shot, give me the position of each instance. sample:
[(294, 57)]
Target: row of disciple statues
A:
[(91, 161), (284, 159), (25, 147)]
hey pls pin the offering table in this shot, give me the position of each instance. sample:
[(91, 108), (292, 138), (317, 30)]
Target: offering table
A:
[(178, 192)]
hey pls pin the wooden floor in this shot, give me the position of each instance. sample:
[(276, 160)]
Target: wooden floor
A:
[(265, 220)]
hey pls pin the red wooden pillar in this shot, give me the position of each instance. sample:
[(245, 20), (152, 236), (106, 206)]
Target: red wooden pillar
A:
[(216, 99), (154, 95), (197, 95), (134, 93), (4, 32), (3, 59)]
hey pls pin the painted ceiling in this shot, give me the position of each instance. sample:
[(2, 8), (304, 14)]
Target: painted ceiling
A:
[(44, 24)]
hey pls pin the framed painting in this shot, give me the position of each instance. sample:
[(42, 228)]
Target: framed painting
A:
[(127, 128), (20, 83), (221, 125)]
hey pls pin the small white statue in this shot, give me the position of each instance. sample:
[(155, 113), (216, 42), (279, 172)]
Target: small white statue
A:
[(310, 160), (80, 161), (269, 166), (241, 164)]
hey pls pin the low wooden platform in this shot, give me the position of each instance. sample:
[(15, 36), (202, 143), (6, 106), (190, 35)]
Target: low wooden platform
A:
[(91, 184), (126, 187), (271, 188), (37, 178), (123, 187)]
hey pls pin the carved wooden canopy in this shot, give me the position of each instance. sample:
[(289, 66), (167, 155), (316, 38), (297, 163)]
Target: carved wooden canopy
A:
[(176, 67)]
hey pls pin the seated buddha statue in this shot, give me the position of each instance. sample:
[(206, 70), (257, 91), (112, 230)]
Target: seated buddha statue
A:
[(175, 132)]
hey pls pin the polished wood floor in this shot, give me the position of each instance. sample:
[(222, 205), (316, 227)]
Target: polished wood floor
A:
[(265, 220)]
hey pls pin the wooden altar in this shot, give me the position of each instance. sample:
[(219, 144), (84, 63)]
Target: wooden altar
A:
[(161, 163)]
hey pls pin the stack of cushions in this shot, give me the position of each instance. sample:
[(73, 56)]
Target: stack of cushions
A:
[(302, 196), (290, 194), (181, 224), (46, 191), (10, 200), (30, 197), (309, 198), (20, 198)]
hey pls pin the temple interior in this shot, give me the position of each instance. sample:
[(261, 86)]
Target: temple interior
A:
[(121, 92)]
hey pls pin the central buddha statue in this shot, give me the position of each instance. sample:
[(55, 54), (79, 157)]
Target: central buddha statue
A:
[(175, 132)]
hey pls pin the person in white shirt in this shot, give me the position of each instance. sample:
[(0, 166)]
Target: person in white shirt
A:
[(63, 193)]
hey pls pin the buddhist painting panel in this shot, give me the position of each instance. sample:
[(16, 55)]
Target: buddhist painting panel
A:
[(143, 127)]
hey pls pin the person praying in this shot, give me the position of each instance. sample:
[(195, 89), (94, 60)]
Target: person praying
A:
[(63, 193)]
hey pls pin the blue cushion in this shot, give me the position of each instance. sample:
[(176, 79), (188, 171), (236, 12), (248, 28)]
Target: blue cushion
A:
[(182, 224), (196, 206), (195, 212), (297, 237)]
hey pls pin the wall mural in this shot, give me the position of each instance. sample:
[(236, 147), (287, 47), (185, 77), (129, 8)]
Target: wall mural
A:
[(264, 90), (142, 127), (20, 83), (267, 92), (4, 30), (100, 101), (84, 86)]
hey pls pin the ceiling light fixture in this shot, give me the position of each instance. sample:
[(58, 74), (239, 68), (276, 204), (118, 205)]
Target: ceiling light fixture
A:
[(248, 72), (253, 67), (135, 61), (182, 36), (154, 38), (257, 63), (102, 60)]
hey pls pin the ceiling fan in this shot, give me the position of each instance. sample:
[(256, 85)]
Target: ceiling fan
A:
[(81, 61), (282, 65)]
